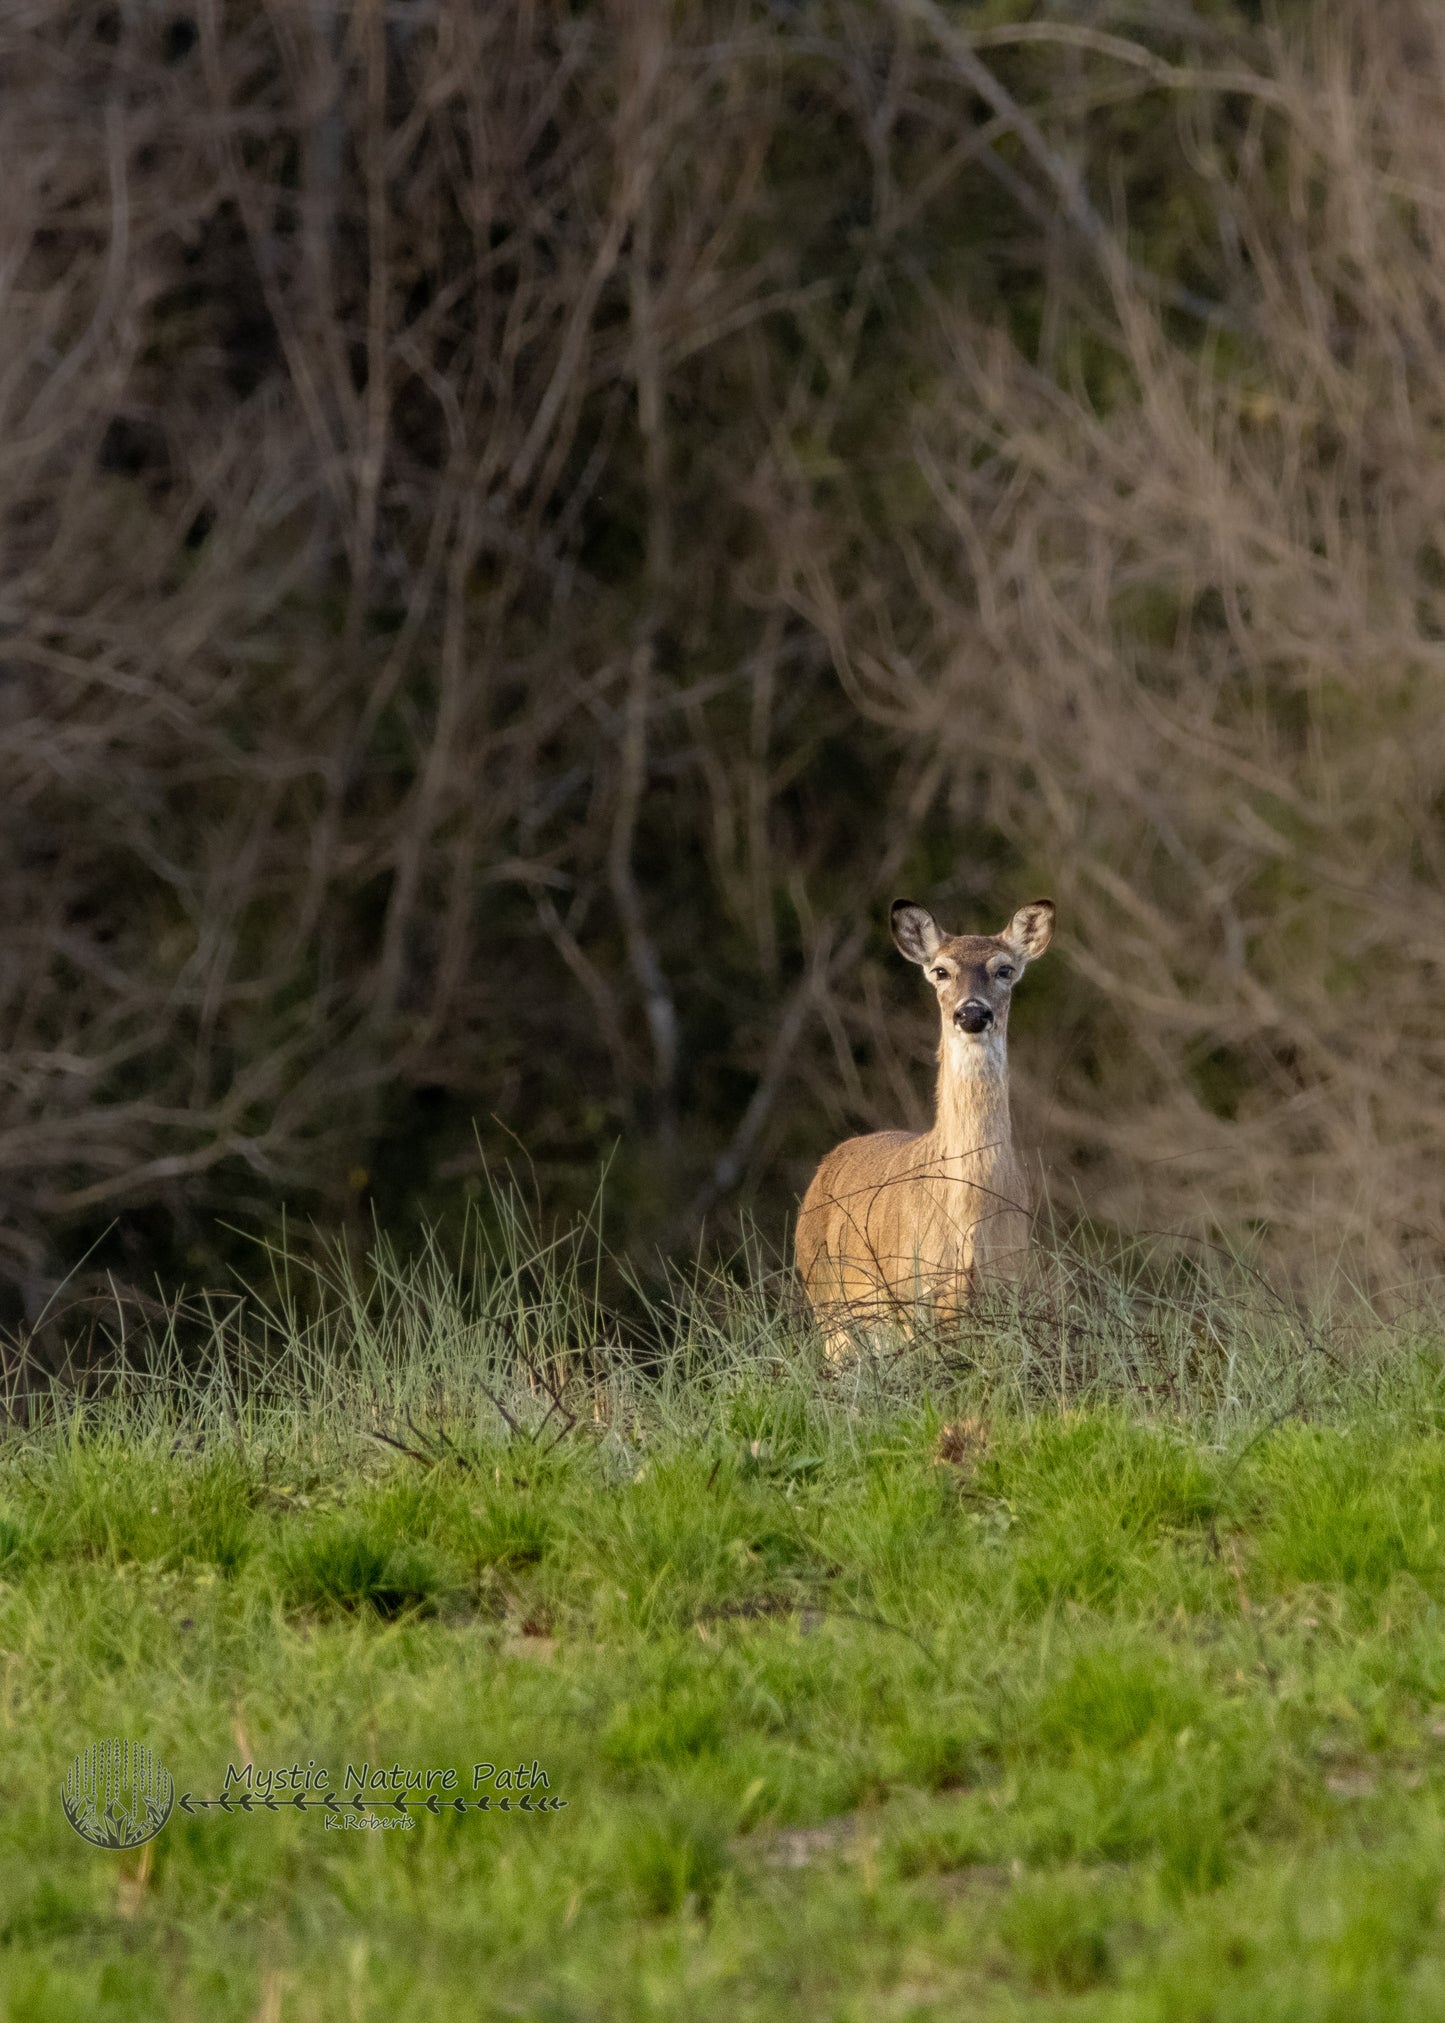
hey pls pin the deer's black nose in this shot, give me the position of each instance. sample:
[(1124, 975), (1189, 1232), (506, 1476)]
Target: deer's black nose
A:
[(973, 1015)]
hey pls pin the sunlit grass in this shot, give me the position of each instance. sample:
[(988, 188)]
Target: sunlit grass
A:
[(1093, 1665)]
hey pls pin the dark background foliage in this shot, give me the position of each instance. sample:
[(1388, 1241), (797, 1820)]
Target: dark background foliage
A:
[(524, 526)]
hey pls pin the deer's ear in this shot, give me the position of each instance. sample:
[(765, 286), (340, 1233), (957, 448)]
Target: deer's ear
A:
[(1031, 929), (915, 930)]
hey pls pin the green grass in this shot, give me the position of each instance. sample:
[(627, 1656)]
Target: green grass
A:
[(1123, 1699)]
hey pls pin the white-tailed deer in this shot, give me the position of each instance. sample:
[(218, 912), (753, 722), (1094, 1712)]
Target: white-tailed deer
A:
[(900, 1220)]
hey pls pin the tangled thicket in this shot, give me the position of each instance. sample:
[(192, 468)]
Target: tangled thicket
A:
[(525, 526)]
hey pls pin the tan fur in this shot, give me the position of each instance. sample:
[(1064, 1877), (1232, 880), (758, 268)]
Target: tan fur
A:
[(900, 1220)]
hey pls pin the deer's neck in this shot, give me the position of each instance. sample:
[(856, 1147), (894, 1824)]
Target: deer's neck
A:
[(972, 1114)]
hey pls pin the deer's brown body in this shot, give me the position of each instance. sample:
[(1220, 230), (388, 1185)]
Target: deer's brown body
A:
[(898, 1220)]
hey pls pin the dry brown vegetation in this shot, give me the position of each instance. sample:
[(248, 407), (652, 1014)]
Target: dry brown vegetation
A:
[(525, 526)]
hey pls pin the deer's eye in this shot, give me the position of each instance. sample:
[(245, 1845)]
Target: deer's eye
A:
[(1004, 972), (941, 975)]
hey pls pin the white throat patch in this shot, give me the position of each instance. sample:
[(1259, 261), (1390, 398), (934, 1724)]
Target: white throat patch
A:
[(976, 1055)]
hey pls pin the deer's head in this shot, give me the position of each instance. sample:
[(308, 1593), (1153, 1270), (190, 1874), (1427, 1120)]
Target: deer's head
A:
[(973, 974)]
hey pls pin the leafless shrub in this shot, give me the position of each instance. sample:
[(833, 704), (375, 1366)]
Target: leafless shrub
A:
[(523, 526), (1175, 630)]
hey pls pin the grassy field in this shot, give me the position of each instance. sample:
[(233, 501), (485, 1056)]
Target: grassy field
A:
[(1092, 1668)]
